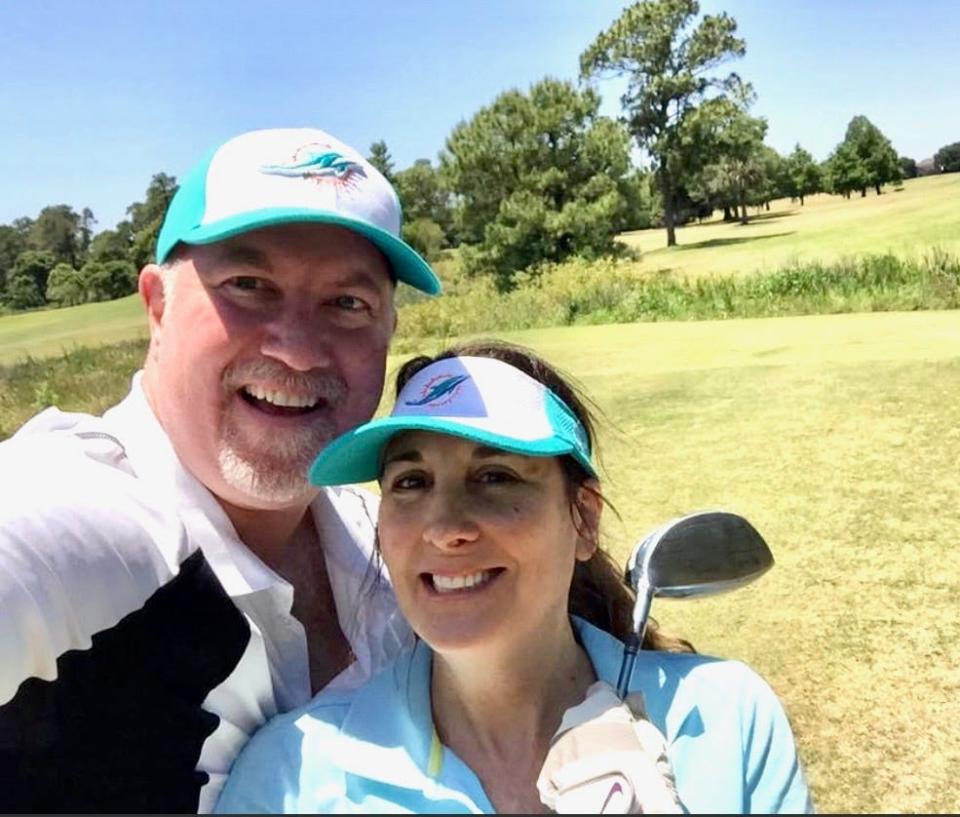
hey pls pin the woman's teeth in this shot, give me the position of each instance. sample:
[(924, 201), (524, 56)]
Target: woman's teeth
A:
[(451, 584)]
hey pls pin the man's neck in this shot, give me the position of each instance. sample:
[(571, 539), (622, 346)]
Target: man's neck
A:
[(267, 532)]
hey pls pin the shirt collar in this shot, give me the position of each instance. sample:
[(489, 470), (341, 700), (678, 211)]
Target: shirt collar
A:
[(156, 464), (388, 733)]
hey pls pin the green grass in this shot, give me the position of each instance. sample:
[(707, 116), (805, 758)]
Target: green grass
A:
[(52, 332), (924, 214), (828, 243), (839, 437)]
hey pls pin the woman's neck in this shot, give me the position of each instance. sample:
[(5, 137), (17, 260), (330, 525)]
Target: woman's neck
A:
[(498, 708)]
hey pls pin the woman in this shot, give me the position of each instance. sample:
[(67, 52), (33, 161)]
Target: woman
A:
[(488, 527)]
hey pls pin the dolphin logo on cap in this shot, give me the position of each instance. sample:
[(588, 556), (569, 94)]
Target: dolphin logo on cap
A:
[(318, 165), (439, 388)]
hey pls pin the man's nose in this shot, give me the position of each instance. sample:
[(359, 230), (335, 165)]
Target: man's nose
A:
[(450, 523), (298, 337)]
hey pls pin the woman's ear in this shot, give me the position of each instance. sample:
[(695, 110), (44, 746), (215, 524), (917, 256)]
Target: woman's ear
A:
[(587, 507)]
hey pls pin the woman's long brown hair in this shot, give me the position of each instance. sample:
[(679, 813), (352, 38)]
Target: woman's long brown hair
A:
[(597, 593)]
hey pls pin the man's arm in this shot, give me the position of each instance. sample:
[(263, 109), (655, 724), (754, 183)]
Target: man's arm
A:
[(111, 637)]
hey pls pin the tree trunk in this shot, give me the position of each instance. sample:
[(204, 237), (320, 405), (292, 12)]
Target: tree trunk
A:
[(801, 200), (863, 192), (727, 215), (767, 206), (666, 187), (878, 188)]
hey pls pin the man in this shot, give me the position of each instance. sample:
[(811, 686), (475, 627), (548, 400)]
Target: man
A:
[(168, 577)]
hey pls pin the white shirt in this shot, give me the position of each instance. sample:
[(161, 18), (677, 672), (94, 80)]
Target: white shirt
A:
[(108, 545)]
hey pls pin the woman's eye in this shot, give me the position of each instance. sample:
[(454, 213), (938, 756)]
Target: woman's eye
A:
[(495, 476), (408, 482)]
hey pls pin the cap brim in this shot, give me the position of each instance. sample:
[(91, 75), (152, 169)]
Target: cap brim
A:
[(356, 456), (407, 264)]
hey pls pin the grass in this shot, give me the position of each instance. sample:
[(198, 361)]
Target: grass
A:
[(718, 270), (924, 214), (838, 436), (51, 332)]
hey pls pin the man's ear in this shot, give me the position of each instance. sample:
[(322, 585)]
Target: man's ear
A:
[(152, 295), (587, 509)]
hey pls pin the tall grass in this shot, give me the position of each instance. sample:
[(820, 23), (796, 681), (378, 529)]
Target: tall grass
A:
[(610, 292), (91, 379)]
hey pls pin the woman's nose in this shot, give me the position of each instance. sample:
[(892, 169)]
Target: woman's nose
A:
[(450, 524)]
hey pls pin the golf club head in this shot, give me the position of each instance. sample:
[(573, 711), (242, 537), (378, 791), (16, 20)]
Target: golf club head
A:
[(699, 554)]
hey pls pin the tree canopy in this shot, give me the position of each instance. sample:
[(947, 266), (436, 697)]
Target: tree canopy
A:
[(947, 159), (669, 64), (538, 176)]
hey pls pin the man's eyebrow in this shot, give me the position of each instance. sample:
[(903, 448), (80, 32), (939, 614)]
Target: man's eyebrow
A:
[(242, 255)]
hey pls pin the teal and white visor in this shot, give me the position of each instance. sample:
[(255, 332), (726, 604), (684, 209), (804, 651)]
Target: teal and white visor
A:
[(476, 398)]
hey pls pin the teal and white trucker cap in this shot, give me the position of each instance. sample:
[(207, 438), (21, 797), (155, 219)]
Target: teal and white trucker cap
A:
[(285, 176), (476, 398)]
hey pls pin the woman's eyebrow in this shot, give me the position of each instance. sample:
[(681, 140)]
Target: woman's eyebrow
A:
[(484, 451), (411, 455)]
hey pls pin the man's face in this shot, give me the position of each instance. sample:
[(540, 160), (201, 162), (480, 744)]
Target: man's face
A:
[(268, 346)]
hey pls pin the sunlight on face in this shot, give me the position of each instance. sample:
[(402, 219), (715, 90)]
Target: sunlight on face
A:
[(480, 543)]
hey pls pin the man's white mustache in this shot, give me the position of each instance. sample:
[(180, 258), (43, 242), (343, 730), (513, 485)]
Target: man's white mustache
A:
[(326, 386)]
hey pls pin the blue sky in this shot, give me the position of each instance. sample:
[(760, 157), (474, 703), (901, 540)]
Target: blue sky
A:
[(96, 97)]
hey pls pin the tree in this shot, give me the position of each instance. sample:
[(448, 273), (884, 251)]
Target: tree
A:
[(803, 175), (27, 281), (424, 195), (425, 236), (877, 158), (106, 280), (87, 220), (538, 177), (947, 159), (65, 286), (845, 172), (727, 164), (380, 158), (57, 230), (112, 245), (146, 218), (908, 167), (12, 243), (669, 67)]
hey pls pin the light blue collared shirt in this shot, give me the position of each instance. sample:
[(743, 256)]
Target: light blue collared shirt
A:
[(375, 749)]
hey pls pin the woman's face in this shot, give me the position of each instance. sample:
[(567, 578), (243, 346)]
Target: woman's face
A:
[(480, 543)]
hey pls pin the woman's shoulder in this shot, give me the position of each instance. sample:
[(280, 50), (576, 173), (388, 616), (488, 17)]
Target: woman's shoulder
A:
[(681, 680), (298, 757)]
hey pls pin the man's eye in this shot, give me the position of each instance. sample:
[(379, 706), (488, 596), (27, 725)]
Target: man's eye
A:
[(350, 303), (246, 283)]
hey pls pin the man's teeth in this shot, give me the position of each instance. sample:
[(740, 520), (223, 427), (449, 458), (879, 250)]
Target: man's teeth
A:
[(279, 398), (450, 584)]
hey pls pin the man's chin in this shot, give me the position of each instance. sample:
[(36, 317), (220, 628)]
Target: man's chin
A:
[(265, 482)]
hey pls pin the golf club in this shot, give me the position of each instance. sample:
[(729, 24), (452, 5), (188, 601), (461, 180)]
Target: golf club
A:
[(700, 554)]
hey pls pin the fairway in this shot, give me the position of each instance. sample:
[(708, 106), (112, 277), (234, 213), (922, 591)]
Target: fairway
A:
[(907, 222), (50, 332), (839, 438)]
